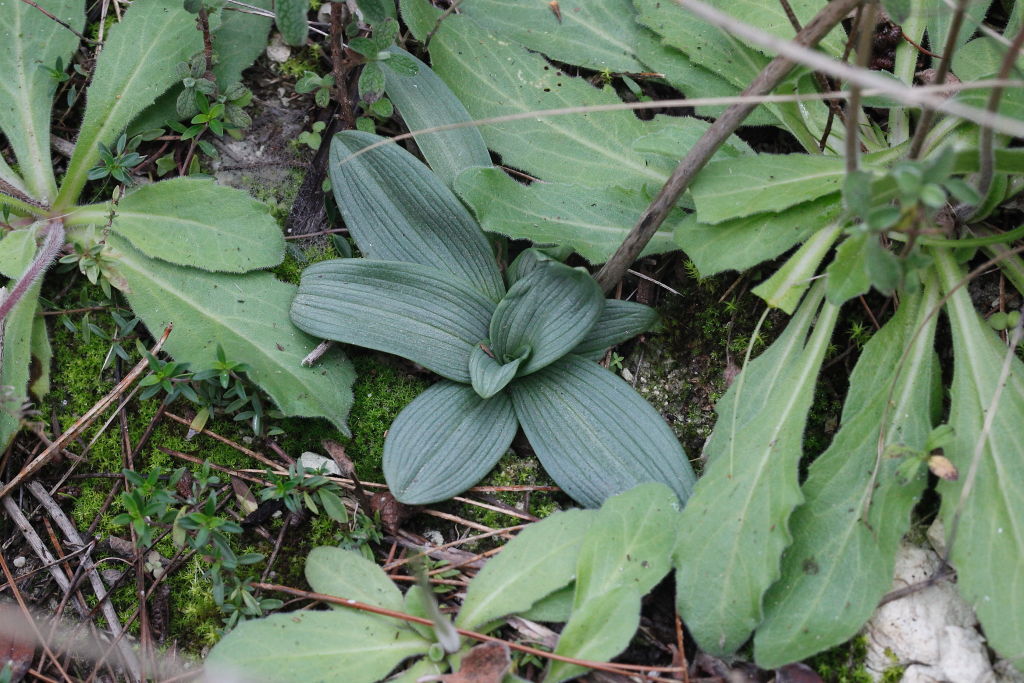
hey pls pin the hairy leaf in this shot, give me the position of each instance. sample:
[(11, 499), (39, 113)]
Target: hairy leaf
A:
[(136, 65), (445, 441), (597, 631), (310, 646), (599, 34), (734, 188), (31, 40), (424, 101), (16, 335), (536, 563), (247, 315), (407, 309), (986, 448), (591, 221), (291, 20), (397, 210), (848, 273), (545, 315), (857, 507), (571, 413), (347, 574), (735, 526), (194, 223), (619, 322)]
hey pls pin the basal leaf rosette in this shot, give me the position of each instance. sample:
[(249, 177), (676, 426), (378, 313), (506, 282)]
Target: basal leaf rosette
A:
[(509, 358)]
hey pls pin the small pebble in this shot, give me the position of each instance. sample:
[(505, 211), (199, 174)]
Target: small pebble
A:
[(19, 562), (627, 375)]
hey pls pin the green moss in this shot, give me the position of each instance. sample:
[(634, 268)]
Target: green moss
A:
[(297, 260), (514, 470), (300, 62), (843, 663)]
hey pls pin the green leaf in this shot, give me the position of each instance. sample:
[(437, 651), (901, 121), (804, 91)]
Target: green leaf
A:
[(419, 16), (487, 375), (292, 22), (445, 441), (678, 135), (42, 354), (572, 413), (425, 315), (247, 315), (742, 243), (376, 11), (495, 77), (32, 40), (425, 101), (553, 608), (196, 223), (16, 332), (733, 188), (841, 561), (619, 322), (371, 82), (735, 527), (940, 19), (533, 565), (597, 631), (786, 287), (598, 35), (630, 543), (16, 251), (397, 210), (982, 58), (313, 646), (136, 65), (347, 574), (848, 273), (544, 315), (990, 538), (591, 221)]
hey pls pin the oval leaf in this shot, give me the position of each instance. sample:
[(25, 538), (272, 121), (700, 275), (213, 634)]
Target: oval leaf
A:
[(619, 321), (397, 210), (407, 309), (546, 313), (572, 413), (445, 441), (347, 574), (487, 374), (597, 631)]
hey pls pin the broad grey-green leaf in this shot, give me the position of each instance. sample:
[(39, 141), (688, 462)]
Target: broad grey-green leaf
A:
[(742, 243), (841, 560), (677, 135), (487, 375), (445, 441), (734, 188), (597, 631), (990, 537), (136, 65), (397, 210), (313, 646), (556, 607), (848, 274), (16, 251), (572, 413), (599, 34), (735, 526), (16, 337), (30, 40), (196, 223), (420, 17), (533, 565), (425, 101), (619, 322), (591, 221), (495, 77), (407, 309), (247, 315), (347, 574), (528, 260), (629, 543), (545, 315)]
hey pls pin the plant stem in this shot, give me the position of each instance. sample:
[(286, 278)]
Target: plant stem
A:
[(985, 141), (44, 257), (708, 144), (865, 29)]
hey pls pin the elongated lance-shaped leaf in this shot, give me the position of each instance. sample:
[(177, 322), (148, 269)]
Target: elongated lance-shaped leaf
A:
[(487, 375), (410, 310), (786, 287), (594, 435), (445, 441), (16, 333), (597, 631), (536, 563), (397, 210), (31, 41), (841, 560), (986, 404), (194, 223), (136, 65), (347, 574), (545, 315), (425, 101), (735, 527), (619, 321), (247, 316), (313, 646)]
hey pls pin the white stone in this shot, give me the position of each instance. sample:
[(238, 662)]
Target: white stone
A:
[(313, 461), (19, 561), (277, 51)]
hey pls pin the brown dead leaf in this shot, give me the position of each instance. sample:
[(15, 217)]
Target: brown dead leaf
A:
[(556, 10), (392, 513), (942, 468), (246, 500), (337, 453), (485, 663)]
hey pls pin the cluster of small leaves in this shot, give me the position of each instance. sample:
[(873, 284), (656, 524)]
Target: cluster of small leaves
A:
[(60, 76), (123, 330), (300, 489), (117, 163), (193, 81), (320, 86), (97, 263), (374, 49)]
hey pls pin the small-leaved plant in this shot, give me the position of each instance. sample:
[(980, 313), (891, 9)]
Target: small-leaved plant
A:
[(587, 569), (511, 355)]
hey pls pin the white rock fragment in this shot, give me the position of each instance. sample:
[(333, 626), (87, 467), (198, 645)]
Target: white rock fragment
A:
[(277, 51), (19, 561), (313, 461), (434, 537)]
